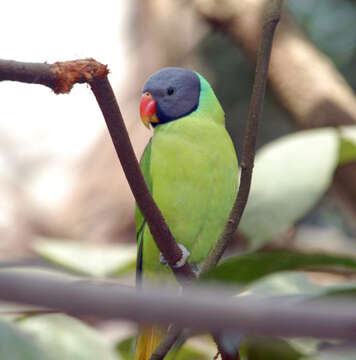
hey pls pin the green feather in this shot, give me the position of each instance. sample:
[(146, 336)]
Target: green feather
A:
[(190, 166), (145, 168)]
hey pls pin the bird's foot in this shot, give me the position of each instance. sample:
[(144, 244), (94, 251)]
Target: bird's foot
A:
[(195, 269), (181, 261)]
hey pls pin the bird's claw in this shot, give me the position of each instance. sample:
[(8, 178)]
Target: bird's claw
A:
[(162, 260), (181, 261)]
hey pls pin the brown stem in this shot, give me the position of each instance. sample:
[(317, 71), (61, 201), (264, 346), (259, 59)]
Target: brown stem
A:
[(271, 19), (166, 344)]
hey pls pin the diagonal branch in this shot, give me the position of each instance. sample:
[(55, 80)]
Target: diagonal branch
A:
[(61, 77), (271, 18)]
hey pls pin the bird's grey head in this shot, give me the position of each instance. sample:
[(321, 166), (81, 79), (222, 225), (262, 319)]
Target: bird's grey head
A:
[(176, 92)]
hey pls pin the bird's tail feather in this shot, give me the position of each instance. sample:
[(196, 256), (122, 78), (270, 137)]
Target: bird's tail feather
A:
[(147, 341)]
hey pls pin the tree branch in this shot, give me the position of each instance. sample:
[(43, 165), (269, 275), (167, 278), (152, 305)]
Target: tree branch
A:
[(201, 309), (271, 18), (167, 342), (60, 77)]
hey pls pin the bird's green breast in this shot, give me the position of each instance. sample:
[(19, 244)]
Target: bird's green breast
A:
[(194, 178)]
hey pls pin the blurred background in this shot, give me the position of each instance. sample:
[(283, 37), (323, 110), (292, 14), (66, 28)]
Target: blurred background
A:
[(59, 176), (60, 180)]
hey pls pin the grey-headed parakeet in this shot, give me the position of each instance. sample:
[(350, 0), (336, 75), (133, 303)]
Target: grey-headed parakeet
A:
[(190, 166)]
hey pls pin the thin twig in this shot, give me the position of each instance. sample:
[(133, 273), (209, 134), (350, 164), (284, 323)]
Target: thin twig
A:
[(167, 343), (210, 310), (271, 19), (61, 76)]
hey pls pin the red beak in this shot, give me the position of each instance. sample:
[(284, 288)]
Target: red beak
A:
[(148, 109)]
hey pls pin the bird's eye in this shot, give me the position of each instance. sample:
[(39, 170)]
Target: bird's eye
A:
[(170, 91)]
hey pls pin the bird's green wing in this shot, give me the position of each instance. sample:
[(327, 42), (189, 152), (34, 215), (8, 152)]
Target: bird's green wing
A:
[(139, 219)]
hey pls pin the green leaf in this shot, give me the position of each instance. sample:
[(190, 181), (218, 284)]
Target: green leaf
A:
[(88, 259), (63, 337), (126, 348), (269, 349), (302, 348), (189, 353), (347, 151), (14, 345), (290, 176), (245, 268), (342, 289), (47, 273)]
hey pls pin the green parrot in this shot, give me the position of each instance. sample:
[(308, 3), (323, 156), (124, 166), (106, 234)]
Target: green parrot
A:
[(191, 169)]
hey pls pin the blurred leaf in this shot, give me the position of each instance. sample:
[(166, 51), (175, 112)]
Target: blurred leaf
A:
[(316, 349), (290, 176), (188, 353), (63, 337), (48, 274), (270, 349), (343, 289), (88, 259), (14, 345), (285, 283), (347, 151), (296, 283), (249, 267), (125, 348), (347, 144), (256, 348), (336, 352)]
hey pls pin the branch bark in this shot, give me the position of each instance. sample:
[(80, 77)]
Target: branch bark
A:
[(60, 77), (201, 309), (167, 342)]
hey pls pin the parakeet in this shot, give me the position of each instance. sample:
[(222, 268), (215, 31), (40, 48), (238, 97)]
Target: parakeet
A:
[(190, 167)]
